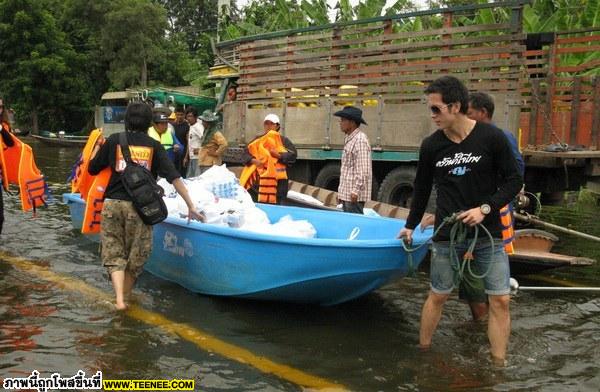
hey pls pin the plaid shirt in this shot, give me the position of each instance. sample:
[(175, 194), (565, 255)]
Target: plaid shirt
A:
[(356, 173)]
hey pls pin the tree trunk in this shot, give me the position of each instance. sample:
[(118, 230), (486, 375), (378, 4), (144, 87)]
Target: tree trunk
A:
[(144, 78), (34, 122)]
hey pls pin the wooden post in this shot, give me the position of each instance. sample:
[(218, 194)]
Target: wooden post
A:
[(575, 108), (596, 115), (548, 109), (448, 24), (550, 89), (533, 115), (289, 72), (387, 30), (336, 36)]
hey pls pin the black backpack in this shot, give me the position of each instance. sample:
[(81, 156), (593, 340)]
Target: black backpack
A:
[(146, 195)]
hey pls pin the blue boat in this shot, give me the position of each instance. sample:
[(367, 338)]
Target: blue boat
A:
[(326, 270)]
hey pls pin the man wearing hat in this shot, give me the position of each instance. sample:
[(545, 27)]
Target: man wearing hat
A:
[(357, 169), (213, 143), (267, 158), (159, 131)]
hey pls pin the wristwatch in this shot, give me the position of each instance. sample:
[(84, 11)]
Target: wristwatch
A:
[(485, 209)]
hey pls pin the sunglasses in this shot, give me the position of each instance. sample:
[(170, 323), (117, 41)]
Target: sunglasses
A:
[(438, 109)]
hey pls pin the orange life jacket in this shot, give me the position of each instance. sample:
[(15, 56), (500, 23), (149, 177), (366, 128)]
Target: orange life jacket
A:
[(19, 168), (508, 233), (91, 187), (272, 170), (94, 202), (82, 180)]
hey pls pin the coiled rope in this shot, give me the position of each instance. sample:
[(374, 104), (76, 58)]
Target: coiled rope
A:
[(458, 234)]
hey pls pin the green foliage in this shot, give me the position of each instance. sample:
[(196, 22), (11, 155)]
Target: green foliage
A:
[(190, 20), (36, 62), (561, 15), (565, 15), (260, 17), (59, 56), (132, 36)]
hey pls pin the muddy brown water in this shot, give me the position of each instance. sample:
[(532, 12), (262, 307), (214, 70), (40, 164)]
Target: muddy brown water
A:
[(366, 345)]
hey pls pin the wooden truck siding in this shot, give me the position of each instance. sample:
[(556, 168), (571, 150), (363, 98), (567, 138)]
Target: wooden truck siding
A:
[(305, 75)]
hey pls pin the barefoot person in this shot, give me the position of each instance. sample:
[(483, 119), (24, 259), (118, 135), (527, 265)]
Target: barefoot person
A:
[(126, 240), (476, 174)]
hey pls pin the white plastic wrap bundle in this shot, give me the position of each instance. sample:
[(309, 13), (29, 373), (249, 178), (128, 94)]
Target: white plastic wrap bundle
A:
[(218, 194)]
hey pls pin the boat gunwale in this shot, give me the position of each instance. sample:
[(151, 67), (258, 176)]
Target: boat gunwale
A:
[(418, 239)]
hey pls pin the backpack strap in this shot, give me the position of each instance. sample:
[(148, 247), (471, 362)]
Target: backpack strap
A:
[(124, 144)]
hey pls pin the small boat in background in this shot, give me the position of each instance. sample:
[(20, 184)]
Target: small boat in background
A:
[(20, 132), (61, 139), (352, 255)]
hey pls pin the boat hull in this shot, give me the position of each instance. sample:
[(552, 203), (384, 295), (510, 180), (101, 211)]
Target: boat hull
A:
[(223, 261), (67, 141)]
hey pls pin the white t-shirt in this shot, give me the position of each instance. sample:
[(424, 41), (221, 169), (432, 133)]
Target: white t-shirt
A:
[(195, 139)]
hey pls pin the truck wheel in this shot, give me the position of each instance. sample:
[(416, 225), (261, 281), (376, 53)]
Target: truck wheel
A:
[(397, 187), (374, 188), (329, 178)]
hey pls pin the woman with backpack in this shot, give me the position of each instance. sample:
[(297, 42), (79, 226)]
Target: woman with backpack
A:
[(126, 240)]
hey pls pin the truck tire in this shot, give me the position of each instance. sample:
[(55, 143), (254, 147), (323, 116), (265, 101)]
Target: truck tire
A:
[(397, 186), (329, 178)]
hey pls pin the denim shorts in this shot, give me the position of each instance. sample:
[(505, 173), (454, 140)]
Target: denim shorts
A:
[(443, 273)]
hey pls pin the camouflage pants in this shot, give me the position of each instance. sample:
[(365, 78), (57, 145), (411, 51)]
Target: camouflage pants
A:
[(126, 240)]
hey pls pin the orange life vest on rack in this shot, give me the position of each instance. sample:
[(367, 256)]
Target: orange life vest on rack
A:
[(272, 170), (19, 168), (508, 232), (91, 187)]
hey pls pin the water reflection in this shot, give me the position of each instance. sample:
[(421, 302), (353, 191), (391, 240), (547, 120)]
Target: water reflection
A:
[(367, 345)]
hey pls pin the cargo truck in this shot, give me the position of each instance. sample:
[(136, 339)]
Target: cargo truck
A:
[(382, 65)]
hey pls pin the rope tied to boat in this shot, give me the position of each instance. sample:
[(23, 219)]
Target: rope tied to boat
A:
[(354, 233), (458, 234)]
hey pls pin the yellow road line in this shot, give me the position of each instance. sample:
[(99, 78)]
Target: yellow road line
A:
[(201, 339)]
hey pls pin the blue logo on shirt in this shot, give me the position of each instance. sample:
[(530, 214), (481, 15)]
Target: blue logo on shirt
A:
[(459, 170)]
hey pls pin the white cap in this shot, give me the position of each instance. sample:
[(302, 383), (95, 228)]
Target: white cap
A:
[(273, 118)]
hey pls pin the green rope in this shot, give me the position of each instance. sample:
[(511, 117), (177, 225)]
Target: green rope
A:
[(410, 251), (458, 234)]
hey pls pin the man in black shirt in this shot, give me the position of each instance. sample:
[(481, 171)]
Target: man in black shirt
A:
[(126, 240), (475, 174), (182, 128)]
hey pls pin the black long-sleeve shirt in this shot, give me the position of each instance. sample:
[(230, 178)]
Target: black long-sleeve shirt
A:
[(144, 150), (479, 170)]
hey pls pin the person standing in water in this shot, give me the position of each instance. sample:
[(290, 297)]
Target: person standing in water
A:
[(126, 240)]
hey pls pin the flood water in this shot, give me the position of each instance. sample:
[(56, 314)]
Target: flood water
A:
[(365, 345)]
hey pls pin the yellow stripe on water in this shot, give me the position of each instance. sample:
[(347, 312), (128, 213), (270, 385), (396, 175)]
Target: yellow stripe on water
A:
[(201, 339)]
